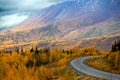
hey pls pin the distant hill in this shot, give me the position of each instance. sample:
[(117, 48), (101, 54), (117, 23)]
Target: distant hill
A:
[(102, 43), (68, 20)]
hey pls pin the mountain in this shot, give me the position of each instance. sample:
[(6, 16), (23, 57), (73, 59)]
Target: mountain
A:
[(68, 20)]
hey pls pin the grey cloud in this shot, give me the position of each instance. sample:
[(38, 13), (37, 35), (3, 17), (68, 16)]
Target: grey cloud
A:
[(23, 6), (20, 7)]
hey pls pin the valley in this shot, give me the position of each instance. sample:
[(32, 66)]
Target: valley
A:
[(60, 41)]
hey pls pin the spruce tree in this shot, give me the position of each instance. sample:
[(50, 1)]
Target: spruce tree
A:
[(36, 51), (31, 50)]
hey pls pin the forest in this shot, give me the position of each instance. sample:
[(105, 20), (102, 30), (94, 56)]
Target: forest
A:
[(53, 64)]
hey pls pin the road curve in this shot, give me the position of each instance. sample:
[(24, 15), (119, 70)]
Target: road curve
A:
[(79, 65)]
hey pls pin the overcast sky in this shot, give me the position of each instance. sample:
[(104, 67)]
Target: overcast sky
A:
[(13, 12)]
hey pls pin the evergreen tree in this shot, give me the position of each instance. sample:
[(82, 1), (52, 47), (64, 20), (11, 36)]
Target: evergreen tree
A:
[(113, 48), (10, 52), (31, 50), (63, 51), (116, 46), (22, 50), (17, 51), (36, 51), (47, 51)]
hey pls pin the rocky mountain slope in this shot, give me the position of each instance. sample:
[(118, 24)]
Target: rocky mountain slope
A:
[(68, 20)]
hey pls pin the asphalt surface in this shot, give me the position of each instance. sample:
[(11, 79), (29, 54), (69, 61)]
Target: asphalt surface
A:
[(79, 65)]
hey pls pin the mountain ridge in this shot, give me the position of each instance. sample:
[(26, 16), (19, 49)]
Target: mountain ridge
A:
[(69, 20)]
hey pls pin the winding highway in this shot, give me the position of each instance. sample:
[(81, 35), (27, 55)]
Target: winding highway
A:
[(79, 65)]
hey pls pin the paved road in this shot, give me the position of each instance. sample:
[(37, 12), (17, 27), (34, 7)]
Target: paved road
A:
[(80, 66)]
